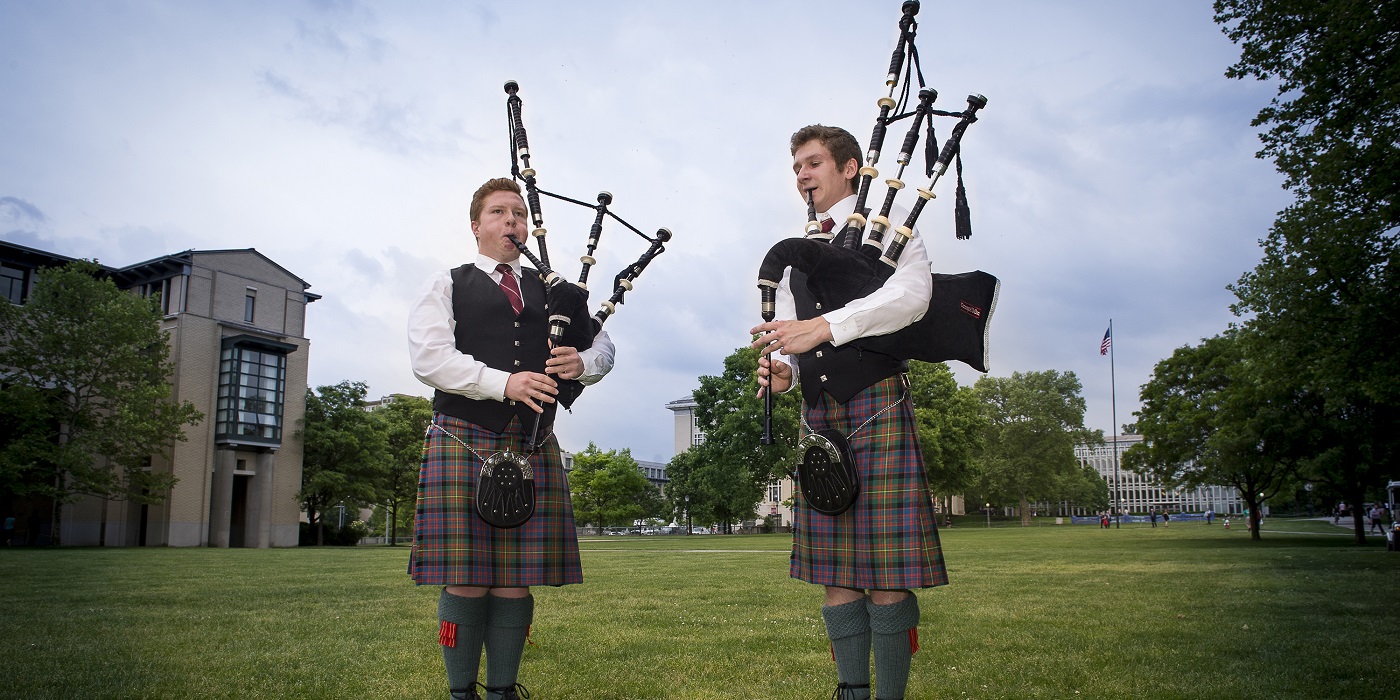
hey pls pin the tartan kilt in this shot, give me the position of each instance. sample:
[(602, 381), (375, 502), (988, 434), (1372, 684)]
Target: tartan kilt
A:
[(888, 538), (453, 546)]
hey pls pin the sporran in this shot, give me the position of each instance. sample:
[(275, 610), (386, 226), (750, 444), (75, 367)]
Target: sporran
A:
[(827, 472), (505, 490)]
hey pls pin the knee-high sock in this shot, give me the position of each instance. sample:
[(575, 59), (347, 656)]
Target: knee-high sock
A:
[(848, 627), (461, 630), (889, 629), (505, 639)]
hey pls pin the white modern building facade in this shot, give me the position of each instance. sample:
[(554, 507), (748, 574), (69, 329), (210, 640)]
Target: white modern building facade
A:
[(1136, 493)]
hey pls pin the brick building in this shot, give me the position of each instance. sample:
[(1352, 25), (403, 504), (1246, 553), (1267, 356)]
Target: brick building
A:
[(236, 326)]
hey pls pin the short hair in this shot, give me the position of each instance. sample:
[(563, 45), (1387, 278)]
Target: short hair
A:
[(842, 146), (498, 184)]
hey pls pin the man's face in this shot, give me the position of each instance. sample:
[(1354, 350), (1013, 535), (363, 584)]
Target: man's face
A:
[(502, 215), (815, 168)]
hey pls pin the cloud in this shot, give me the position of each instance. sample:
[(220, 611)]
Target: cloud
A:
[(17, 212)]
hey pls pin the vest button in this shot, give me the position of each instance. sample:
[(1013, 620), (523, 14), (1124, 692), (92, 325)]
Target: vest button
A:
[(512, 403), (517, 343), (819, 305), (517, 363), (823, 377), (517, 324), (819, 353)]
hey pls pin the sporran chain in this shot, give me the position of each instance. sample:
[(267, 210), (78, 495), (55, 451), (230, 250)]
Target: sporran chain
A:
[(448, 433), (802, 416)]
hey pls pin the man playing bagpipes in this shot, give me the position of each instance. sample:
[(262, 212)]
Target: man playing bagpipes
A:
[(876, 539), (479, 335)]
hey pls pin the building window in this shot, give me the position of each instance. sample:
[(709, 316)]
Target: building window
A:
[(250, 302), (252, 391), (164, 291), (775, 492), (12, 284)]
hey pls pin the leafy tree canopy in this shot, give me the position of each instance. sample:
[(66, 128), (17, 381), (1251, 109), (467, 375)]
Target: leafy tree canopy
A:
[(608, 489), (85, 400), (951, 424), (345, 454), (403, 422), (1323, 306), (1035, 420)]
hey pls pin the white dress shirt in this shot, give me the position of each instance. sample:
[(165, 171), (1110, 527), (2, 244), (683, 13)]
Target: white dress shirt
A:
[(902, 300), (432, 343)]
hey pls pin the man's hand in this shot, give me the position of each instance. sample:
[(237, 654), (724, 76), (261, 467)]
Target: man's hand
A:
[(531, 387), (792, 337), (565, 363), (780, 373)]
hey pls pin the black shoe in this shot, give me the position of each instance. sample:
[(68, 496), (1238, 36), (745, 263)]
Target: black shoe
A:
[(514, 691), (468, 693), (846, 691)]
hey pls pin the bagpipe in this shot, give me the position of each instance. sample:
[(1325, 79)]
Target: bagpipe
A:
[(852, 263), (505, 489)]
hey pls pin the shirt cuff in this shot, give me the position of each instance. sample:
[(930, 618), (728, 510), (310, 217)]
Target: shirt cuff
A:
[(493, 383), (843, 327)]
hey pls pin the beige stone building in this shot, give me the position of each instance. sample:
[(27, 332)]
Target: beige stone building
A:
[(236, 326)]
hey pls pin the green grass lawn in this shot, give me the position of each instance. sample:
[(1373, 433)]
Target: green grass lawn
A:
[(1188, 611)]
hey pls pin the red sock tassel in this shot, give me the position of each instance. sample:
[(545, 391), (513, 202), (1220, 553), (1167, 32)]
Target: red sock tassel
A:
[(447, 634), (529, 641), (913, 641)]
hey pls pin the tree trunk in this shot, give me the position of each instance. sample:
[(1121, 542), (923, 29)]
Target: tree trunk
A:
[(394, 523), (1025, 512), (56, 523), (102, 525), (1253, 517), (1359, 519)]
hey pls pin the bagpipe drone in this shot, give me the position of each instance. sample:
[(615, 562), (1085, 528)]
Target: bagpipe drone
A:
[(852, 263), (505, 491)]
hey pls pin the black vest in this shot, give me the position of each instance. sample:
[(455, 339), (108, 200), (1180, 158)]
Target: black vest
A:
[(842, 372), (488, 330)]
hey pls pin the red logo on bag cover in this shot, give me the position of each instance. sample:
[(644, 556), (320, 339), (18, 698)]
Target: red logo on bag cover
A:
[(970, 310)]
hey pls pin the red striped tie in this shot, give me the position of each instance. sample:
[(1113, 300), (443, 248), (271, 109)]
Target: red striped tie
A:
[(510, 287), (827, 224)]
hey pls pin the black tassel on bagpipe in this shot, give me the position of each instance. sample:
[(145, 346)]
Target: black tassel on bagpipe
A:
[(955, 326)]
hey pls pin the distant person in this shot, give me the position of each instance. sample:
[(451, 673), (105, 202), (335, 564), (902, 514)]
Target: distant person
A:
[(9, 530), (1166, 519), (478, 334), (1210, 515), (1375, 515), (1103, 520), (1227, 523), (1152, 515)]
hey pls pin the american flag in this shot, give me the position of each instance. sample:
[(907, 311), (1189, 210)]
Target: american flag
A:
[(1107, 341)]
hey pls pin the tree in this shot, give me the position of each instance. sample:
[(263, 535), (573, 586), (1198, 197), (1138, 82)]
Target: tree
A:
[(1329, 260), (607, 488), (403, 422), (683, 488), (733, 466), (345, 455), (85, 397), (951, 424), (1208, 419), (1036, 419)]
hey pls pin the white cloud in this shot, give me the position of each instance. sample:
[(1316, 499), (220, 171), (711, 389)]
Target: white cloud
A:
[(1111, 175)]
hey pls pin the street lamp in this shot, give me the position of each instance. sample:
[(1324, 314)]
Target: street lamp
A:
[(989, 516), (687, 515)]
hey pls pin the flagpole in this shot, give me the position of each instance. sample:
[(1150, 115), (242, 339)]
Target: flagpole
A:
[(1113, 394)]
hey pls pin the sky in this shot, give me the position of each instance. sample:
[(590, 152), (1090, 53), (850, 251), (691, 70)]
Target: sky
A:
[(1111, 176)]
